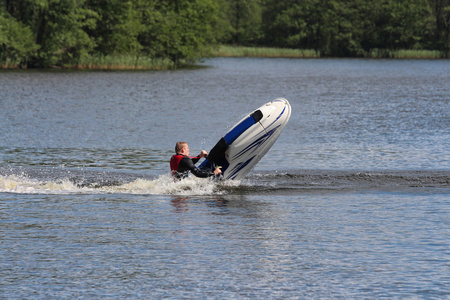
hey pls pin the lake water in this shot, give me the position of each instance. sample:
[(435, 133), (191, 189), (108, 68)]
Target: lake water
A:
[(352, 201)]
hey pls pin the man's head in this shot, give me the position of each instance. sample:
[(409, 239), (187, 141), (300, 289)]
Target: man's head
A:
[(182, 148)]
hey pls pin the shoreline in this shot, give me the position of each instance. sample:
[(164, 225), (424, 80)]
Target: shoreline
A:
[(241, 51), (140, 63)]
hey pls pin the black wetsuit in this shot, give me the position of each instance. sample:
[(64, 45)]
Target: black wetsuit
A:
[(181, 165)]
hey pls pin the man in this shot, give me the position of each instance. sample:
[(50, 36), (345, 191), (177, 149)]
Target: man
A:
[(181, 163)]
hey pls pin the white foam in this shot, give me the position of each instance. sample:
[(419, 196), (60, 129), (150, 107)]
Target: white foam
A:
[(24, 185), (163, 184)]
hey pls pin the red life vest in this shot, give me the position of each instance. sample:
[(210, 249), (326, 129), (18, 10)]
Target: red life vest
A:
[(174, 162)]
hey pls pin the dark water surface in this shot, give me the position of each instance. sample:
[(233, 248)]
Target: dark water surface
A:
[(352, 201)]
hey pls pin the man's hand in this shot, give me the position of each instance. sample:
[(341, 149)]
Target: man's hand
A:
[(218, 171), (203, 154)]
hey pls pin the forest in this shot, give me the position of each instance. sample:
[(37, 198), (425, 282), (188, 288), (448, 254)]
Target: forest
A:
[(75, 33)]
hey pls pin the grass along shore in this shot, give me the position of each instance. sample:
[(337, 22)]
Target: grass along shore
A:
[(109, 62), (132, 62), (123, 62), (238, 51)]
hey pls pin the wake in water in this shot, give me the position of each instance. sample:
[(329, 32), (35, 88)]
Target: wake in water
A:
[(57, 181), (76, 181)]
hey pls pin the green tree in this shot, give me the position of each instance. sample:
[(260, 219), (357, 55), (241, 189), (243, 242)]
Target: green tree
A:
[(330, 27), (347, 27), (181, 30), (441, 26), (16, 41), (43, 33), (118, 26), (58, 27), (245, 18), (222, 27), (285, 23), (403, 24)]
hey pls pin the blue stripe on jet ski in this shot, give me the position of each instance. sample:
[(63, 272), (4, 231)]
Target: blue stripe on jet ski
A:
[(239, 167), (256, 143), (239, 129), (282, 112)]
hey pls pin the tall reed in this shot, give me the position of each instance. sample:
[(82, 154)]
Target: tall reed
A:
[(405, 54), (123, 62), (238, 51), (10, 64)]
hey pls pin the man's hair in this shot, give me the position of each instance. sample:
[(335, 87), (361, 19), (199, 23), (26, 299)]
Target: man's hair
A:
[(179, 146)]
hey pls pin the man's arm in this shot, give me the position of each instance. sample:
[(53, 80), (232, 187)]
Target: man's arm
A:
[(189, 165)]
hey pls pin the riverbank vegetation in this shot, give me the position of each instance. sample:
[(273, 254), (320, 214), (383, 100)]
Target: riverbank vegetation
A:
[(241, 51), (166, 34)]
